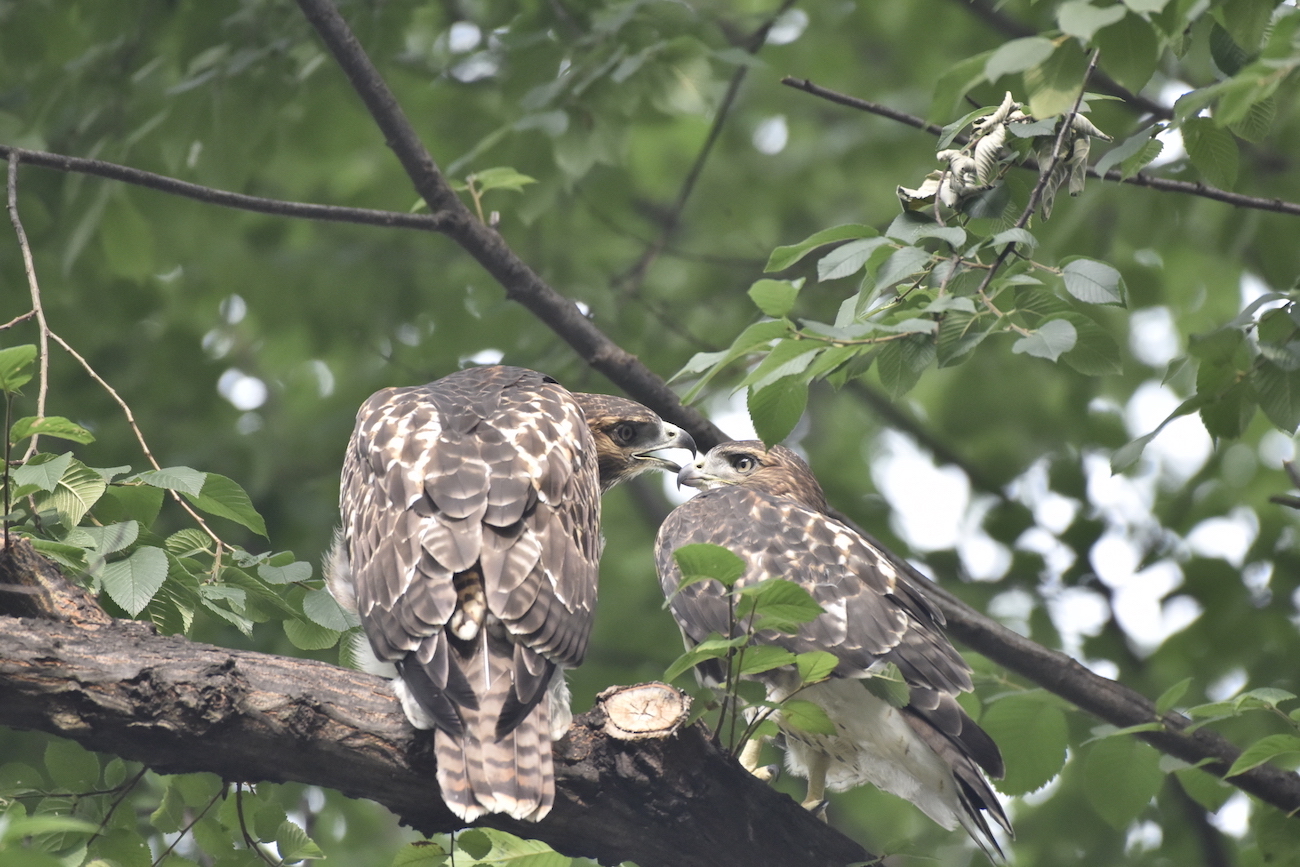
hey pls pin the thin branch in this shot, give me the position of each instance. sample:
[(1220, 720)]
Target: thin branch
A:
[(896, 417), (275, 207), (1035, 196), (1164, 185), (29, 268), (144, 446), (632, 278), (1016, 29), (20, 318)]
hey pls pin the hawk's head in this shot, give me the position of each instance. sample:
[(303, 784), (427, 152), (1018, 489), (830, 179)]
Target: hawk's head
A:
[(626, 435), (777, 471)]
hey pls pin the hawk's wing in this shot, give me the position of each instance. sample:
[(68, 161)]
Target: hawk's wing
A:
[(471, 532), (871, 613)]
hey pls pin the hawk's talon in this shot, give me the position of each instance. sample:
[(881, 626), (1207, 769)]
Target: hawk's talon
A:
[(817, 808), (767, 773)]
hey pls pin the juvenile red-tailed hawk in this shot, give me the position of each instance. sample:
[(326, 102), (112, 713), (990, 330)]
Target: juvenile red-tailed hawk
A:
[(766, 506), (469, 546)]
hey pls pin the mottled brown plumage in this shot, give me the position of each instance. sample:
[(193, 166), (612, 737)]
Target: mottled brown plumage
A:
[(766, 506), (469, 547)]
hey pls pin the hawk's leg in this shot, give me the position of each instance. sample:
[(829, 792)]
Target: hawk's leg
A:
[(815, 802), (749, 761)]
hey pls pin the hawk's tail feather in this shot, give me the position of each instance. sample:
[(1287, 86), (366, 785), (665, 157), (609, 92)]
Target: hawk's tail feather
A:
[(486, 769)]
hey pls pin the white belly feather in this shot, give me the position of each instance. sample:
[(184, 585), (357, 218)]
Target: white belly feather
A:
[(873, 744)]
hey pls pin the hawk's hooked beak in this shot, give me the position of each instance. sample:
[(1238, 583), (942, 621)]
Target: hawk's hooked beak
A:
[(692, 475), (673, 438)]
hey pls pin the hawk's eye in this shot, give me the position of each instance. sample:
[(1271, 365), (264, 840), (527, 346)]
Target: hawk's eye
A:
[(623, 433), (744, 463)]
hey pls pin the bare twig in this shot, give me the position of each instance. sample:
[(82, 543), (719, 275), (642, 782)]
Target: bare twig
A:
[(1164, 185), (144, 446), (29, 268), (1035, 195), (632, 278), (276, 207), (20, 318)]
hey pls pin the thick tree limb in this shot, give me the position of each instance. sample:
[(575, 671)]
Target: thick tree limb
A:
[(179, 706)]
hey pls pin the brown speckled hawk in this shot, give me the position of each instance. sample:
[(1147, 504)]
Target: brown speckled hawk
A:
[(469, 546), (766, 506)]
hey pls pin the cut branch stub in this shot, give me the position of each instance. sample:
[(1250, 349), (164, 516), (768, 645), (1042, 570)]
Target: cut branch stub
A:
[(646, 710)]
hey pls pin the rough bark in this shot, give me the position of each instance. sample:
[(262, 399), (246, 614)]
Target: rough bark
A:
[(178, 706)]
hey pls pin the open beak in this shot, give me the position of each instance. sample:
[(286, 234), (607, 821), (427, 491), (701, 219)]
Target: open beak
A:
[(674, 438)]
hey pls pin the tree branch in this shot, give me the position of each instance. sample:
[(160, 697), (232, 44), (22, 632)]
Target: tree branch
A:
[(635, 275), (180, 706), (224, 198), (997, 19), (1164, 185), (521, 283)]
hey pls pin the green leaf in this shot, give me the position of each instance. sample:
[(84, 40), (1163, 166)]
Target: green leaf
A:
[(1094, 282), (815, 666), (298, 570), (112, 538), (1246, 20), (1262, 697), (294, 844), (43, 471), (30, 826), (132, 582), (310, 636), (751, 339), (778, 604), (775, 297), (1212, 150), (1277, 838), (501, 178), (713, 648), (959, 333), (888, 686), (1050, 340), (1206, 789), (70, 556), (1055, 83), (14, 364), (1170, 697), (1081, 19), (1279, 394), (78, 489), (50, 425), (784, 257), (805, 716), (140, 503), (1150, 7), (1011, 236), (1264, 750), (1131, 50), (170, 815), (1034, 725), (188, 542), (324, 610), (1095, 353), (775, 409), (1125, 149), (17, 778), (197, 790), (183, 479), (847, 259), (760, 658), (955, 83), (1257, 122), (1120, 776), (702, 561), (421, 853), (226, 499), (787, 358), (1017, 56), (901, 264), (1130, 166), (71, 767)]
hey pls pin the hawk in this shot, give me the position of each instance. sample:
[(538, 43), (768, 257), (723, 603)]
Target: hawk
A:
[(766, 506), (469, 547)]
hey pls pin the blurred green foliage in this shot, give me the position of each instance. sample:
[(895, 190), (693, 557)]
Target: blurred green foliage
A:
[(244, 342)]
